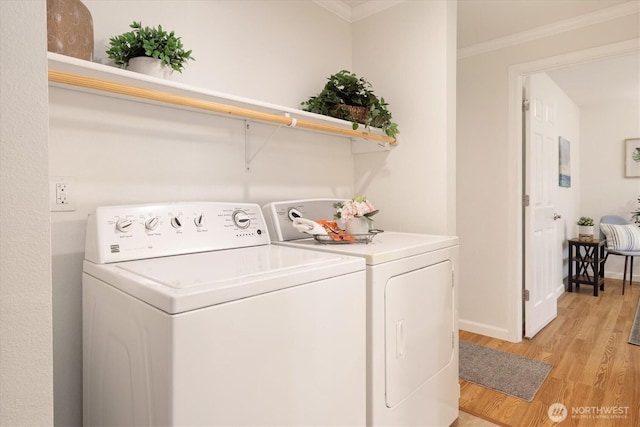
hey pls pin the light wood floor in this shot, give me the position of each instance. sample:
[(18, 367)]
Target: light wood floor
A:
[(594, 370), (468, 420)]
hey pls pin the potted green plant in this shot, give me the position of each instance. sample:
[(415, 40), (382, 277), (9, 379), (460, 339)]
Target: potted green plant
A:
[(344, 91), (585, 229), (148, 42)]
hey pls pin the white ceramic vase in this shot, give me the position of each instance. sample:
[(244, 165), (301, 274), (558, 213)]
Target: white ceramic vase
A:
[(585, 233), (357, 226), (150, 66)]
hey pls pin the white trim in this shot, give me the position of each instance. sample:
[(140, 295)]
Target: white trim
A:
[(359, 12), (603, 15), (619, 276), (514, 207), (372, 7), (483, 329), (337, 7), (517, 72)]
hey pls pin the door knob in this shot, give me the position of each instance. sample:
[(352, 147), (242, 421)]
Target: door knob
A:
[(556, 216)]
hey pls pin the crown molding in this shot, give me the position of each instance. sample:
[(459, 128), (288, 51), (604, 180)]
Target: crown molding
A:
[(337, 7), (359, 12), (372, 7), (603, 15)]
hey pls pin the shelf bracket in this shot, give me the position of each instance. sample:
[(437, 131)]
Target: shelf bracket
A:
[(248, 157), (247, 145), (359, 146)]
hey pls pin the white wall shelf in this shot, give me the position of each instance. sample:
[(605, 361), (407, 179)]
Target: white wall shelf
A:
[(76, 74)]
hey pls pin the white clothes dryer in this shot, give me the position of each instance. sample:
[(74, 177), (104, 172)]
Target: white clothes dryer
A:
[(412, 315), (192, 317)]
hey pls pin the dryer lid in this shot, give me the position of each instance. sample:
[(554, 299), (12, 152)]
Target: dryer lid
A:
[(385, 247)]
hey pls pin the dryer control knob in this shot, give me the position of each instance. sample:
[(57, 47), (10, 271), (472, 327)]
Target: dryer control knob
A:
[(124, 225), (294, 213), (152, 223), (199, 221), (176, 222), (241, 219)]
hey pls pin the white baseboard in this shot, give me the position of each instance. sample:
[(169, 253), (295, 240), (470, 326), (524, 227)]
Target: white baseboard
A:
[(616, 275), (483, 329)]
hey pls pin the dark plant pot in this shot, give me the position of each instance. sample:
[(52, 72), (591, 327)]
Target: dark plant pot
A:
[(69, 29)]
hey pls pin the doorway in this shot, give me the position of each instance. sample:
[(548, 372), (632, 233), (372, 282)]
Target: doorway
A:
[(515, 224), (547, 114)]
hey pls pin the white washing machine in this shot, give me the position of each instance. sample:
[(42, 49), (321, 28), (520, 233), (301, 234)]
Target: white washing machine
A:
[(191, 317), (412, 315)]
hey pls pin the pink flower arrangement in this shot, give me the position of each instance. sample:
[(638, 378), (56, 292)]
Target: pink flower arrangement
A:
[(359, 207)]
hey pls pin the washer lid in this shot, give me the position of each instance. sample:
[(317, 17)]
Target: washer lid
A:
[(187, 282), (385, 247)]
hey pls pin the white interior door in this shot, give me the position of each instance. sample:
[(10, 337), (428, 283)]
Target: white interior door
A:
[(542, 251)]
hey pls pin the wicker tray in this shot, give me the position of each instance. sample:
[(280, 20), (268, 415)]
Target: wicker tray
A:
[(358, 238)]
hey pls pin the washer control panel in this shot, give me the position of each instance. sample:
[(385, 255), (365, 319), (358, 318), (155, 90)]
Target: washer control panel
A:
[(126, 233)]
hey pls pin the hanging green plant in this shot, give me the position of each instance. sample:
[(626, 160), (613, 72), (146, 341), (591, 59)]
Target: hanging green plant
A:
[(345, 90), (152, 42)]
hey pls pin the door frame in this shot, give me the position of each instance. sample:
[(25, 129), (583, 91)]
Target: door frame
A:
[(515, 212)]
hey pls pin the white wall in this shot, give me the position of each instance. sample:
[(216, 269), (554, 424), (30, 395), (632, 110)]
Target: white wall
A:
[(26, 370), (487, 180), (276, 51), (605, 189), (279, 51), (121, 152), (414, 69)]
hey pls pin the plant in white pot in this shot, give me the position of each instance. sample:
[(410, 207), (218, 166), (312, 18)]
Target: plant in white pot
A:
[(356, 215), (149, 50), (585, 229)]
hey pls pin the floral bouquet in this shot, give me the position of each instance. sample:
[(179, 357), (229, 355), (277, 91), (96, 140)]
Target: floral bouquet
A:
[(359, 207)]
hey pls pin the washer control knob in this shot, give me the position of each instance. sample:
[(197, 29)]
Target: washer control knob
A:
[(176, 222), (124, 225), (199, 221), (241, 219), (152, 223)]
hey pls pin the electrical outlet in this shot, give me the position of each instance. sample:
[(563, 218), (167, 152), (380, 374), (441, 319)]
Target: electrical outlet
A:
[(61, 194)]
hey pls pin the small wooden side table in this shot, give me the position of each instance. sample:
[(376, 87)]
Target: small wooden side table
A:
[(588, 259)]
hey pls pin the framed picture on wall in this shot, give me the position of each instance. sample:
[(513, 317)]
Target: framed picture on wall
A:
[(632, 157), (564, 171)]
